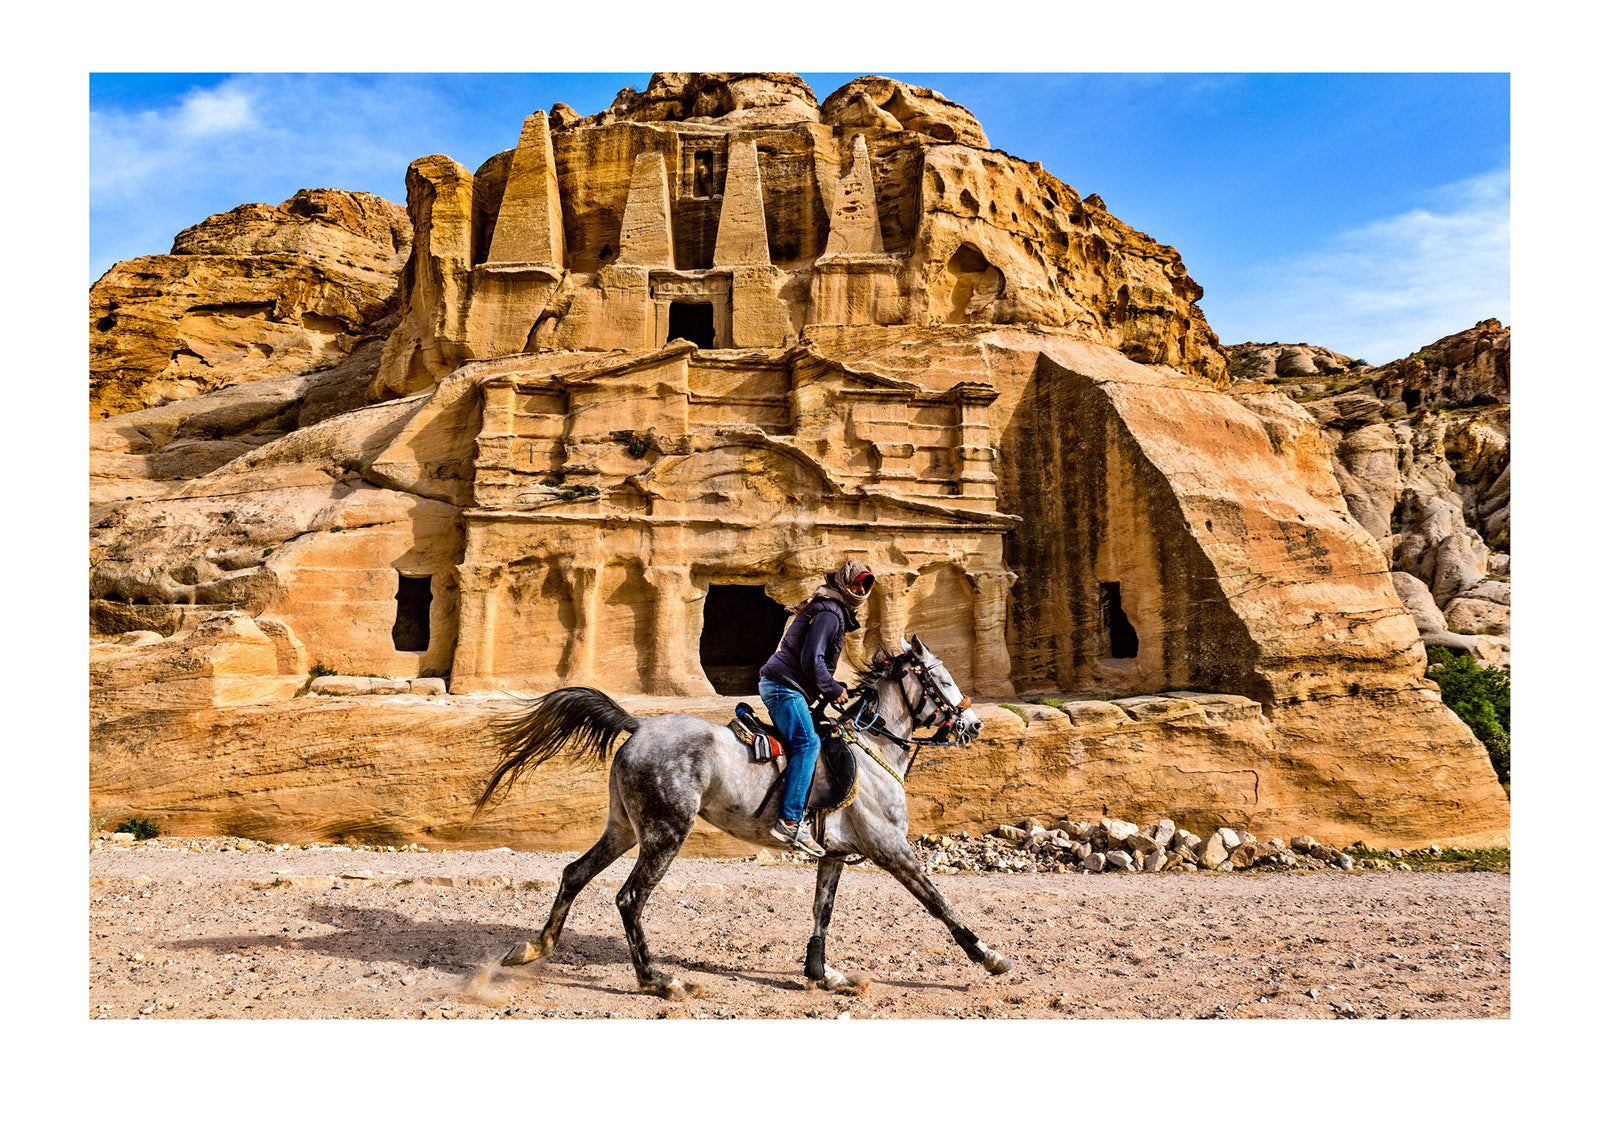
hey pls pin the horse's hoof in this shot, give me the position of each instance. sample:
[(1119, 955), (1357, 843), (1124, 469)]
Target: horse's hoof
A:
[(836, 983), (522, 953), (995, 962), (672, 989)]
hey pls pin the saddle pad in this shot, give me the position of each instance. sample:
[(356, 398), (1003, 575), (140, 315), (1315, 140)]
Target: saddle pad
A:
[(833, 785), (763, 741)]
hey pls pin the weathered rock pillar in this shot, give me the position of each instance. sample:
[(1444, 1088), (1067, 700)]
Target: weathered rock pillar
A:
[(853, 226), (668, 673), (758, 316), (479, 588), (585, 582), (889, 609), (742, 223), (991, 659)]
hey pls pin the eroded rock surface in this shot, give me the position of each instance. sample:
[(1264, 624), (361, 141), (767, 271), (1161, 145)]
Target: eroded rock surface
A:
[(1422, 453), (257, 292)]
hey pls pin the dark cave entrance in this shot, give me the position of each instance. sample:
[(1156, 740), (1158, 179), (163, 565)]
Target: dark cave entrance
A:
[(742, 629), (412, 602), (692, 320), (1115, 624)]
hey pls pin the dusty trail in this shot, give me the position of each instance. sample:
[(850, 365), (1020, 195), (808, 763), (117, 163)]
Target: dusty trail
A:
[(177, 933)]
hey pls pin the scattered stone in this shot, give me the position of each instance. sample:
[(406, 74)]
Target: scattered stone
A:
[(1117, 832), (1214, 852), (1246, 855), (1113, 845), (1119, 861)]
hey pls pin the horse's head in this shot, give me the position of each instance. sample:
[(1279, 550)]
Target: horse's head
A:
[(940, 702)]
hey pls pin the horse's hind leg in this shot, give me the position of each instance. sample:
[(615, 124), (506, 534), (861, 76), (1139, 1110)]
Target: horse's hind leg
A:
[(616, 840), (819, 974), (659, 842), (901, 863)]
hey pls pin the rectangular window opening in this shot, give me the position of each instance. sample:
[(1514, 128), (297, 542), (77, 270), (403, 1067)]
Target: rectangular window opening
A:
[(413, 600)]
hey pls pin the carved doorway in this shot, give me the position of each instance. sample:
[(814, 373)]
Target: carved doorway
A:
[(742, 629), (694, 321)]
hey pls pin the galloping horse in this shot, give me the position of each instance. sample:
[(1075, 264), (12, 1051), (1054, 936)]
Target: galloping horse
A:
[(675, 767)]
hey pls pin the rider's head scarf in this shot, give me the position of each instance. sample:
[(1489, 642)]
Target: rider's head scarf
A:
[(839, 583)]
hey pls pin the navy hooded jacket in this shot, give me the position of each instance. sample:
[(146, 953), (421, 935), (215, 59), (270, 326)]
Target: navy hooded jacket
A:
[(810, 649)]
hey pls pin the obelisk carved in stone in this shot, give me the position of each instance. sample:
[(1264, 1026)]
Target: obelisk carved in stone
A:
[(647, 217), (742, 224), (528, 231), (853, 227)]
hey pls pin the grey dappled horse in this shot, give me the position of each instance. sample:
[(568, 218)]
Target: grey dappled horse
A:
[(675, 767)]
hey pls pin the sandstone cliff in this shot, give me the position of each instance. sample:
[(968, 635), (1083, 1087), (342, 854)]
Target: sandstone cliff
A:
[(1422, 452), (257, 292), (886, 206), (647, 374)]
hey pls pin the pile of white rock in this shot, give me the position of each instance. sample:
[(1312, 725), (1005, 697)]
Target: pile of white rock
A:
[(1110, 845)]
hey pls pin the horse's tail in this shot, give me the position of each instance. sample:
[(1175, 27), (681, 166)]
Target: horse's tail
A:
[(587, 719)]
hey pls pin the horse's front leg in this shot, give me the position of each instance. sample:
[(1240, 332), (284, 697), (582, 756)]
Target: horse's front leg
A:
[(901, 863), (819, 975)]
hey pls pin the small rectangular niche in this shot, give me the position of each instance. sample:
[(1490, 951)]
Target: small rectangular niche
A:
[(413, 600), (704, 166), (1114, 622)]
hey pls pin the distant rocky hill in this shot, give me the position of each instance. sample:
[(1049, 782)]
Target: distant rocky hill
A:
[(261, 291), (1422, 452)]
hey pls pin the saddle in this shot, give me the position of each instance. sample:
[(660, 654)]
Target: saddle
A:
[(833, 782)]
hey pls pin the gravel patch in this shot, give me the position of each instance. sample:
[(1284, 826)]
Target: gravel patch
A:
[(213, 927)]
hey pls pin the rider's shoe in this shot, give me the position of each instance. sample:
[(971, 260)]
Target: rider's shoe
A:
[(797, 834)]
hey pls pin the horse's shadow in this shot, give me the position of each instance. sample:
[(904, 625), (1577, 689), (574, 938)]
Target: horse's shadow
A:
[(457, 946)]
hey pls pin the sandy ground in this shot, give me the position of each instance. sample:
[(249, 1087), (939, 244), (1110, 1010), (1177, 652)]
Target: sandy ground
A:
[(179, 933)]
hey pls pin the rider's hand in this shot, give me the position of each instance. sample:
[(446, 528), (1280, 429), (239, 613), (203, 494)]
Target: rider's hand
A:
[(839, 700)]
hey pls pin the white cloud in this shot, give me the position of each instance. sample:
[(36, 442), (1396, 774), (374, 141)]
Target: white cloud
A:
[(1391, 286), (251, 138), (210, 112)]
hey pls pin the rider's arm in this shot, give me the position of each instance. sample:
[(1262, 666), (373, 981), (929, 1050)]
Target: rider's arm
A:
[(815, 654)]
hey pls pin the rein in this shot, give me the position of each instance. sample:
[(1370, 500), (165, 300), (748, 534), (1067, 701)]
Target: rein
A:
[(873, 725)]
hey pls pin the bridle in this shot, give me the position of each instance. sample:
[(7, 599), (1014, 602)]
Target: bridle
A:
[(931, 707), (944, 712)]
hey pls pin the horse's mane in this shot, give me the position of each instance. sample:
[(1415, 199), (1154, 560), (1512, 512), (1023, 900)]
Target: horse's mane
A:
[(882, 665)]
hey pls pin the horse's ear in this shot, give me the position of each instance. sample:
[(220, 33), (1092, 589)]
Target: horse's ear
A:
[(916, 642), (904, 647)]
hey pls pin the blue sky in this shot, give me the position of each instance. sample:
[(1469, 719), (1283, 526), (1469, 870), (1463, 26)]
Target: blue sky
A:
[(1368, 213)]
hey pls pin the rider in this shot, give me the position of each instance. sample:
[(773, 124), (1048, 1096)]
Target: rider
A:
[(800, 673)]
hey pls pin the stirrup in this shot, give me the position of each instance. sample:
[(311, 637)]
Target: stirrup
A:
[(801, 839)]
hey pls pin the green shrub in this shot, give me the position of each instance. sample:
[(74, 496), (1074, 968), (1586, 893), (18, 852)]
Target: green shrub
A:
[(1481, 698), (142, 828)]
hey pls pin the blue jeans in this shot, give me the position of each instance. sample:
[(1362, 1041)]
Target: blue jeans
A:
[(792, 717)]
